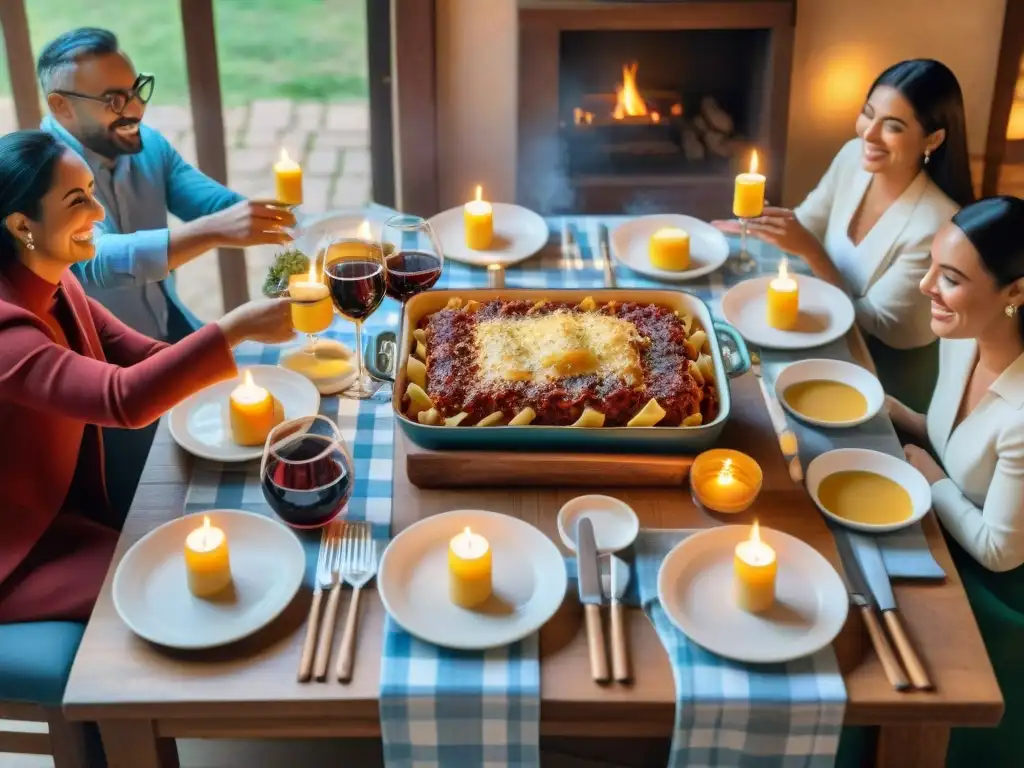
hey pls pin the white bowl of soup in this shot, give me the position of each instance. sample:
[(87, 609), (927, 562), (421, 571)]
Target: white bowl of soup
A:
[(868, 490), (829, 393)]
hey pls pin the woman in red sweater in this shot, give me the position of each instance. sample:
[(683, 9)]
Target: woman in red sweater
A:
[(69, 367)]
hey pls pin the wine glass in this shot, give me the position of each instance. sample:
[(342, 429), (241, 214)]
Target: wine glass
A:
[(413, 259), (307, 473), (354, 274)]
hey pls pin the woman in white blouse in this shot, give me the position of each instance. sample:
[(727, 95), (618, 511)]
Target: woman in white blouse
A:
[(869, 224), (975, 426)]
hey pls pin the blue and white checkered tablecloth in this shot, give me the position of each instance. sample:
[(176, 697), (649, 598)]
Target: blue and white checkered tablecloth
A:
[(444, 708)]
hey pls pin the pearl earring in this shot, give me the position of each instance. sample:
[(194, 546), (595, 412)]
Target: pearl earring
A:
[(927, 156), (1011, 310), (28, 242)]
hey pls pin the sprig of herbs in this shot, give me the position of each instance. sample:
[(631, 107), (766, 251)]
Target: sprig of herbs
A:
[(286, 264)]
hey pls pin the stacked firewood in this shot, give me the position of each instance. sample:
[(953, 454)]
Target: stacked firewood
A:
[(710, 131)]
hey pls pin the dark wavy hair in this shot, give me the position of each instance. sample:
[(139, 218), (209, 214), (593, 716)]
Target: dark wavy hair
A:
[(27, 161), (934, 92), (995, 227)]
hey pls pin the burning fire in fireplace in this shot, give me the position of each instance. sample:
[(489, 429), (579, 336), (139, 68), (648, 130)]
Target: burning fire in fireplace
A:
[(627, 104)]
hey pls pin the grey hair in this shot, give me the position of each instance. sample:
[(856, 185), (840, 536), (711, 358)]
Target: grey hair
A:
[(57, 61)]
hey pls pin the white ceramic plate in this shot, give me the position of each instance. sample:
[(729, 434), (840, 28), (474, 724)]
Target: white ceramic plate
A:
[(831, 370), (151, 591), (695, 586), (708, 247), (315, 227), (528, 573), (519, 233), (615, 523), (896, 469), (826, 313), (200, 423)]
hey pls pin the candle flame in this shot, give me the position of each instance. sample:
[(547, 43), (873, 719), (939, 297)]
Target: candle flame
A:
[(284, 156), (755, 532), (312, 273), (784, 269), (206, 532), (247, 380), (725, 474), (467, 532), (479, 198), (206, 522), (363, 233), (753, 161)]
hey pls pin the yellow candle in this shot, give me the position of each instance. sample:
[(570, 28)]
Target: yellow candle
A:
[(783, 305), (724, 480), (755, 567), (252, 412), (287, 180), (479, 221), (469, 568), (207, 564), (748, 199), (312, 310), (669, 248)]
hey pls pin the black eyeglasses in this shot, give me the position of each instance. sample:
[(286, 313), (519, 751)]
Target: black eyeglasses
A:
[(117, 101)]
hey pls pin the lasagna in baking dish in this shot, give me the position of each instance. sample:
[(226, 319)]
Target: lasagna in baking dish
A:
[(517, 362)]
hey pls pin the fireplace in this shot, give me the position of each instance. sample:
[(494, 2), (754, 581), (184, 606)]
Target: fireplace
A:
[(628, 107)]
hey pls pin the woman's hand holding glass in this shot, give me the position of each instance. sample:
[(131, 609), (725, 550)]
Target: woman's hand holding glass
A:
[(268, 321), (779, 227)]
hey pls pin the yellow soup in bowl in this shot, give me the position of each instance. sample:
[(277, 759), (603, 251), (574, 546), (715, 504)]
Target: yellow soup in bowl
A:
[(825, 400), (865, 497)]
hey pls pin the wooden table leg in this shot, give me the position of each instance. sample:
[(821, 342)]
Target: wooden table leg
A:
[(912, 746), (134, 744), (67, 740)]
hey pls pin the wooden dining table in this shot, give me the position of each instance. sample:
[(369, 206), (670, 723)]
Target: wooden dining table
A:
[(143, 697)]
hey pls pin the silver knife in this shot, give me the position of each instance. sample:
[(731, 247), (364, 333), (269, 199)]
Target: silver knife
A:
[(869, 557), (857, 586), (589, 581), (787, 440), (606, 257)]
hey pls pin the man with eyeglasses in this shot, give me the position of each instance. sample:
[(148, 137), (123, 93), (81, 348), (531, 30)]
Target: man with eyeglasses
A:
[(97, 101)]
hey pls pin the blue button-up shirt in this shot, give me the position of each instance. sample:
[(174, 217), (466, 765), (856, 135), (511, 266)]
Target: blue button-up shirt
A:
[(137, 192)]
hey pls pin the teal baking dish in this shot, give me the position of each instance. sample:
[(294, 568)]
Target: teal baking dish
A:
[(677, 440)]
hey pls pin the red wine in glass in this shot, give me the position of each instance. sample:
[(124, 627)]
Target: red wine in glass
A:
[(306, 482), (410, 272), (357, 287)]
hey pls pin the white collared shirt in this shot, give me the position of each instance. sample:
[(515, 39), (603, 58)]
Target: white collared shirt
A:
[(982, 502), (884, 270)]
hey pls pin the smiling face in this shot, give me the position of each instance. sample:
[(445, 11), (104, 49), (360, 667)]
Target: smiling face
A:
[(893, 140), (967, 303), (67, 212), (94, 123)]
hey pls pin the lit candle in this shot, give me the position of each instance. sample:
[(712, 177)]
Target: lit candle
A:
[(469, 568), (724, 480), (287, 180), (755, 567), (783, 305), (252, 412), (669, 249), (207, 564), (479, 221), (748, 199), (312, 310)]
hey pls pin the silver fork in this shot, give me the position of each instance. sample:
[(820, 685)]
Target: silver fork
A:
[(359, 564), (331, 568), (321, 579)]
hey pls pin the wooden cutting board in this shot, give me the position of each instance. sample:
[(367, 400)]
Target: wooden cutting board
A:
[(463, 469)]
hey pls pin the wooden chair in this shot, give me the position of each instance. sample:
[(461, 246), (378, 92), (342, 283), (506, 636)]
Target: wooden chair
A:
[(65, 742)]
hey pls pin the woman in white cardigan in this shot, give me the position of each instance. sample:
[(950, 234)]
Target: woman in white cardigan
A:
[(975, 426), (869, 224)]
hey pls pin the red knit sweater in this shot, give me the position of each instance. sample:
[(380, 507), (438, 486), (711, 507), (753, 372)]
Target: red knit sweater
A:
[(65, 363)]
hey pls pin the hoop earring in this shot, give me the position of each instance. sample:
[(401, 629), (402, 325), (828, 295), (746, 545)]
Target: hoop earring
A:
[(28, 242), (927, 156), (1011, 310)]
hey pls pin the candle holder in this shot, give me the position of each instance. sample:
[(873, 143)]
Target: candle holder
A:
[(744, 264), (725, 481)]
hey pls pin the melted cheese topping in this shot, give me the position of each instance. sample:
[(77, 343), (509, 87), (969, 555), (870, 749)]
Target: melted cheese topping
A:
[(557, 345)]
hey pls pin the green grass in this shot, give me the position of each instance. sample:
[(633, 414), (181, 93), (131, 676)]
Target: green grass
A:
[(298, 49)]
